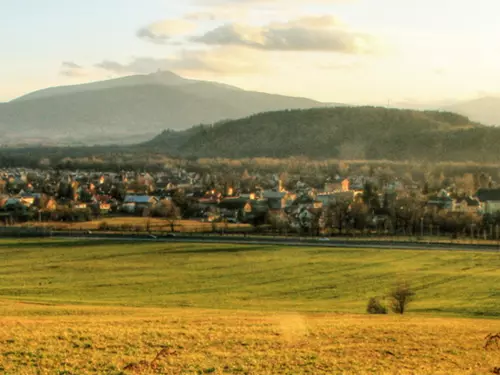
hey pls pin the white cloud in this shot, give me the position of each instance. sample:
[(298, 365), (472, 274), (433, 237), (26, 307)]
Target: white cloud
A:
[(323, 33), (201, 16), (223, 60), (162, 32), (71, 69)]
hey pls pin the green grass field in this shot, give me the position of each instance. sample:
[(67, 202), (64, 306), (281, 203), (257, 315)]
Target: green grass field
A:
[(69, 308), (263, 278)]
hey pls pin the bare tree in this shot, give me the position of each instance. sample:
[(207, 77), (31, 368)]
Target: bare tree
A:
[(401, 296), (168, 210)]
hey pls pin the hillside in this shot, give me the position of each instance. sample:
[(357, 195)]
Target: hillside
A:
[(160, 78), (485, 110), (341, 132), (135, 107), (226, 309), (242, 276)]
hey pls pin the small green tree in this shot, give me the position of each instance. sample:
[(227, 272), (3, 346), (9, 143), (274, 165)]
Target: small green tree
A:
[(401, 296), (375, 306)]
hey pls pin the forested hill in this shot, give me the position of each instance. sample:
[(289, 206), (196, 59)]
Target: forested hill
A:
[(341, 132)]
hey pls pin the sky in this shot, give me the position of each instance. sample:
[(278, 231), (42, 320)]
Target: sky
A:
[(345, 51)]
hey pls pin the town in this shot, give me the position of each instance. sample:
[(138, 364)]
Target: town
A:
[(366, 202)]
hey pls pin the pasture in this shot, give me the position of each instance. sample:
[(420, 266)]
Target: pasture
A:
[(252, 277), (87, 307)]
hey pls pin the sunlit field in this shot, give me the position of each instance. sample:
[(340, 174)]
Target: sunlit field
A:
[(71, 307), (131, 223), (88, 340)]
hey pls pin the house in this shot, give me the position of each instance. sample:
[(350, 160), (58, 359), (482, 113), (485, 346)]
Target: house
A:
[(490, 199), (28, 199), (338, 184), (233, 207), (210, 199), (326, 198), (133, 203), (441, 201), (13, 203), (357, 182), (50, 205), (250, 196), (467, 205), (256, 211), (278, 200), (104, 208)]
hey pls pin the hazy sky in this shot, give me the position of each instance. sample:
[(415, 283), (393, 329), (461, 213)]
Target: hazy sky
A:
[(352, 51)]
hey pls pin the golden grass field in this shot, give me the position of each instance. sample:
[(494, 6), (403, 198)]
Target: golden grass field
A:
[(44, 339), (156, 224), (71, 307)]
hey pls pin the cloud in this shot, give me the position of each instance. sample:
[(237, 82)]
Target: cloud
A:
[(163, 31), (324, 33), (240, 10), (201, 16), (223, 60), (339, 65), (71, 69), (314, 22), (70, 65)]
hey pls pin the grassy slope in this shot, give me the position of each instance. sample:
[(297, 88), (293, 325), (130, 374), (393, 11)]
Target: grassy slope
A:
[(245, 277)]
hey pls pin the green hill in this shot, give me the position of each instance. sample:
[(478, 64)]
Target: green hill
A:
[(245, 277), (340, 132)]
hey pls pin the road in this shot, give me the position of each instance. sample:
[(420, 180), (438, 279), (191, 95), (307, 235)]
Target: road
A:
[(279, 241)]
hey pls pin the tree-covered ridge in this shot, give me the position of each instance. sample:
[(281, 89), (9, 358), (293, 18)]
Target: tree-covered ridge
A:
[(341, 132)]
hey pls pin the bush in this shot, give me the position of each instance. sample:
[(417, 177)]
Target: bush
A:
[(375, 306), (127, 227), (401, 296), (103, 226)]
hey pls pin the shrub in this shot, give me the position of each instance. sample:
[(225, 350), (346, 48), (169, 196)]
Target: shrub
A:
[(103, 226), (375, 306), (401, 296), (127, 227)]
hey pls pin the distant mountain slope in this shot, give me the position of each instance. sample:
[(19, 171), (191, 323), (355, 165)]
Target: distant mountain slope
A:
[(342, 132), (140, 106), (485, 110), (113, 113), (160, 78)]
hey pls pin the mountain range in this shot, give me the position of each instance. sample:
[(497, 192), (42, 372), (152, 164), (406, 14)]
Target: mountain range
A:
[(136, 108), (130, 109), (343, 133)]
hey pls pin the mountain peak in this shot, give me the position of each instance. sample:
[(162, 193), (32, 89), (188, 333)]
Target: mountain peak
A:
[(164, 73), (166, 77)]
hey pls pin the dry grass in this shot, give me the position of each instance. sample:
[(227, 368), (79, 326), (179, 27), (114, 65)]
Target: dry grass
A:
[(492, 340), (42, 339), (156, 224)]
